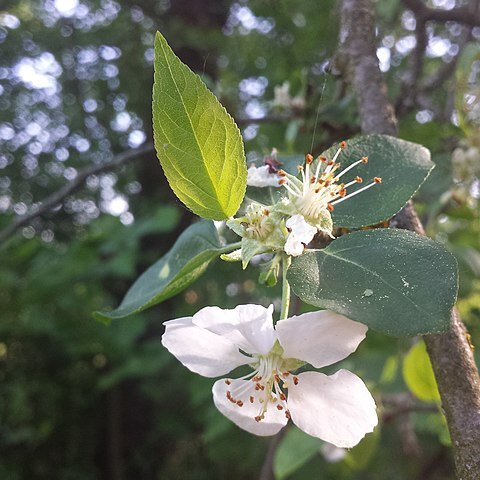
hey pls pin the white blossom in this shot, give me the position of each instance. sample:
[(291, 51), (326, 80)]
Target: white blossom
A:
[(301, 234), (262, 176), (315, 195), (338, 409)]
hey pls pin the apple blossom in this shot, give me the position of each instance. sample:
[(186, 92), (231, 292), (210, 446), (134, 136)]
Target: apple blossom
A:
[(262, 176), (337, 409), (315, 194), (301, 234)]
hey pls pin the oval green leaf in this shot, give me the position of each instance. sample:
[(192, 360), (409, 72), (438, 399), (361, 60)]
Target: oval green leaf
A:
[(197, 142), (196, 247), (394, 281), (403, 166), (418, 374), (294, 451)]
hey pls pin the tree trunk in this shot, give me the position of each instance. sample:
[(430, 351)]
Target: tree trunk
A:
[(450, 352)]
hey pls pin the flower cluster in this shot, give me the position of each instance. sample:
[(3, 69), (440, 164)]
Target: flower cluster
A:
[(310, 199), (338, 409)]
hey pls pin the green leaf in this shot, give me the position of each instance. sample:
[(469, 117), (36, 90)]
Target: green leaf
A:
[(394, 281), (418, 374), (403, 166), (361, 455), (196, 247), (295, 449), (197, 142)]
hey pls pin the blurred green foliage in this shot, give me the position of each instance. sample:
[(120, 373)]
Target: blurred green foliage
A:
[(80, 400)]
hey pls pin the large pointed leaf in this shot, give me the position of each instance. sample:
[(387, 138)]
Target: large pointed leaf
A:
[(196, 247), (197, 141), (394, 281), (403, 166)]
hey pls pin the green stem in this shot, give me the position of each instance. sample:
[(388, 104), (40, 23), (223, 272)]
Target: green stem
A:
[(231, 247), (286, 260)]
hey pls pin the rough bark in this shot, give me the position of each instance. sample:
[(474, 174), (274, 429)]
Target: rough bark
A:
[(450, 353)]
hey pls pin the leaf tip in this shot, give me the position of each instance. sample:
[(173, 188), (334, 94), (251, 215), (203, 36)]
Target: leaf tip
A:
[(101, 317)]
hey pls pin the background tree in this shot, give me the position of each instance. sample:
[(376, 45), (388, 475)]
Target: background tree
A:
[(81, 400)]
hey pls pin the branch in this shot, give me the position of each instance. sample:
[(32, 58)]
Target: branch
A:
[(57, 197), (448, 69), (450, 353), (266, 473), (460, 14), (403, 404), (409, 88), (412, 87)]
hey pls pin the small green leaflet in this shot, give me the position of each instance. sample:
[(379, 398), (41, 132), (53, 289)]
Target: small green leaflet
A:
[(197, 142), (196, 247), (394, 281), (418, 374)]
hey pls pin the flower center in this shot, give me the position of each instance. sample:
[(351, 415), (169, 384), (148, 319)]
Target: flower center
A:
[(270, 379), (258, 225), (320, 191)]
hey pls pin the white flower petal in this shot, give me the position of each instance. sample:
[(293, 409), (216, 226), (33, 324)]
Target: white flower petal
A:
[(293, 246), (261, 177), (250, 327), (244, 416), (303, 231), (199, 350), (338, 409), (319, 338), (333, 454), (256, 325)]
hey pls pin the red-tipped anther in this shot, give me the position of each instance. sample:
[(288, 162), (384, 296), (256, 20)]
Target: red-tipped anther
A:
[(342, 192), (239, 403), (266, 212), (329, 207), (330, 163), (281, 173), (295, 380), (258, 418), (322, 158), (277, 378), (279, 407), (285, 374), (343, 145), (282, 181), (228, 382), (328, 183), (358, 179), (364, 159), (252, 399), (313, 179), (377, 179), (287, 414), (283, 397), (309, 158)]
